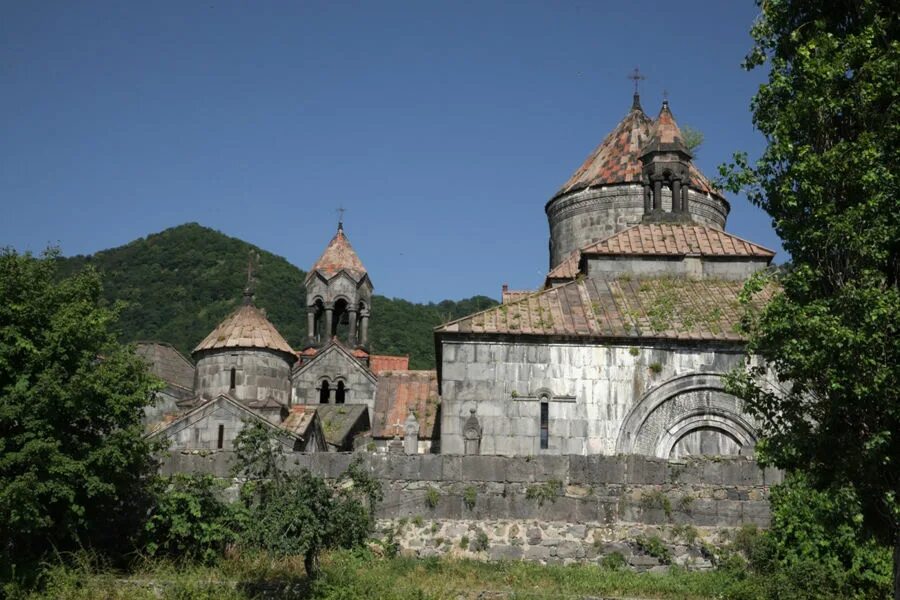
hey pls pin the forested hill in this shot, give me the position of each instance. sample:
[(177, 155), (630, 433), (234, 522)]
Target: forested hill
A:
[(180, 283)]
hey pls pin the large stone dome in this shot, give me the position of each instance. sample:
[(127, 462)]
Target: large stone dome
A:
[(605, 194)]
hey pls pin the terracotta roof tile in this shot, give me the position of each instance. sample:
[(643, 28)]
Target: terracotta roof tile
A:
[(379, 363), (674, 239), (398, 391), (247, 327), (299, 419), (651, 308), (618, 157), (665, 134), (339, 256), (568, 268)]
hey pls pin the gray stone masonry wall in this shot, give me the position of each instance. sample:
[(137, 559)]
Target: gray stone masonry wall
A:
[(551, 509), (334, 366), (594, 391), (258, 374), (590, 215), (733, 269)]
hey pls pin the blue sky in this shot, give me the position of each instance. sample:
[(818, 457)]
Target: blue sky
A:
[(442, 128)]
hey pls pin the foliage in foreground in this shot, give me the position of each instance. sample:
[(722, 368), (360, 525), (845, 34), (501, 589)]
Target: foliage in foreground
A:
[(74, 465), (830, 112), (359, 574), (280, 512)]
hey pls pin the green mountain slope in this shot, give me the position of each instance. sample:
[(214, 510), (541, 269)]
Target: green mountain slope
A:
[(177, 285)]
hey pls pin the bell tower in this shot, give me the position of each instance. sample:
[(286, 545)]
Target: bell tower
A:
[(338, 296), (665, 167)]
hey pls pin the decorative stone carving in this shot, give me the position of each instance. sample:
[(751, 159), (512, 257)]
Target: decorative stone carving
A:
[(411, 433), (472, 434)]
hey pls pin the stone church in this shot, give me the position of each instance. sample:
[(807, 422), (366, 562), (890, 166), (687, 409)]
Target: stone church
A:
[(331, 395), (623, 350), (626, 347)]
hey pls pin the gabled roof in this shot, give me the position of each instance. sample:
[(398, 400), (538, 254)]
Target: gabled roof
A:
[(663, 239), (396, 393), (204, 409), (340, 420), (334, 345), (300, 420), (675, 239), (640, 309), (618, 157), (568, 268), (247, 327), (167, 363), (339, 256)]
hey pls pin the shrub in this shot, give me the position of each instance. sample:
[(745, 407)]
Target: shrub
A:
[(613, 561), (464, 542), (301, 514), (432, 497), (544, 492), (470, 494), (655, 547), (480, 543), (190, 520), (657, 500), (633, 351), (655, 368)]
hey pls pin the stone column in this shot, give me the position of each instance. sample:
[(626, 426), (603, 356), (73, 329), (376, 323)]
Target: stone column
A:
[(311, 324), (676, 195), (684, 199), (329, 310), (411, 433), (657, 194), (351, 337), (648, 199), (364, 329)]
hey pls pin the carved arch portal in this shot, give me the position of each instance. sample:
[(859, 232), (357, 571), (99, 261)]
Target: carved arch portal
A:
[(688, 415)]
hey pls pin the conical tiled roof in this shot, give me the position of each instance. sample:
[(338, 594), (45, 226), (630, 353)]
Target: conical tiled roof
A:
[(247, 327), (618, 157), (339, 256), (665, 136)]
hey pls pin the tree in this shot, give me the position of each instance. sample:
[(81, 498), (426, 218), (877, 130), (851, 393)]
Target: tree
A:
[(73, 461), (830, 112), (300, 513)]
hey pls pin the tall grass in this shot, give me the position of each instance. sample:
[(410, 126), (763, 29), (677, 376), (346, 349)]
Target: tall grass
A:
[(355, 574)]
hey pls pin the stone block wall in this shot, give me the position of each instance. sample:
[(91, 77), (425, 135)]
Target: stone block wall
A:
[(548, 508), (594, 393), (259, 374), (589, 215)]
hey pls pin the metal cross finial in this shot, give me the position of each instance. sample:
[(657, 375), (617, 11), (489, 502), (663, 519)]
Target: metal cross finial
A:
[(341, 210), (636, 76)]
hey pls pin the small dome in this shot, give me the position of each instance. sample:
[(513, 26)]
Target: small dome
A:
[(247, 327)]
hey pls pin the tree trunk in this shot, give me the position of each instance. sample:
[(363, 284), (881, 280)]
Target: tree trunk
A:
[(311, 563)]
